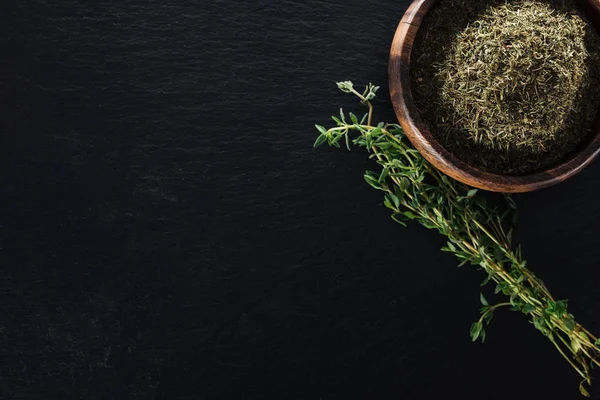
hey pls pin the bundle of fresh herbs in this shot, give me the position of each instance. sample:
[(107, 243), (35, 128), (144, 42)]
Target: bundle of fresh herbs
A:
[(478, 233), (509, 87)]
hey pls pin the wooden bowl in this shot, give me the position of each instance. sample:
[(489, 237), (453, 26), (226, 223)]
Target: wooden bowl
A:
[(431, 149)]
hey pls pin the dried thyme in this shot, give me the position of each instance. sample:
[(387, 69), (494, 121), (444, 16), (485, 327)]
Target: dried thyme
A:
[(515, 85)]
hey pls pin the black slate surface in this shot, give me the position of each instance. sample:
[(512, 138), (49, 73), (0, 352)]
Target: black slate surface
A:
[(168, 232)]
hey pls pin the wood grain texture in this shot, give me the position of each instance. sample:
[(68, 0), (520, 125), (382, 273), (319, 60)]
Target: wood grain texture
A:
[(425, 142)]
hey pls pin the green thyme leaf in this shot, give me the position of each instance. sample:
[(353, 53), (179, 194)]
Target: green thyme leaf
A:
[(483, 300), (320, 140), (409, 215), (570, 324), (345, 86), (476, 330)]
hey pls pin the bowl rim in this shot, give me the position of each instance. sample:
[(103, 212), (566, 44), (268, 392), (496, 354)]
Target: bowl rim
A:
[(442, 159)]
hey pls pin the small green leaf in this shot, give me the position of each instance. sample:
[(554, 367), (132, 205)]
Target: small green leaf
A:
[(404, 184), (342, 116), (540, 324), (471, 193), (489, 278), (514, 300), (557, 308), (345, 86), (371, 92), (476, 260), (353, 118), (528, 308), (347, 142), (483, 300), (505, 288), (384, 174), (570, 324), (428, 225), (337, 120), (398, 192), (575, 346), (374, 182), (399, 218), (388, 203), (586, 337), (476, 330), (488, 317), (395, 199), (597, 343), (320, 140), (321, 129), (375, 132), (410, 215), (451, 246)]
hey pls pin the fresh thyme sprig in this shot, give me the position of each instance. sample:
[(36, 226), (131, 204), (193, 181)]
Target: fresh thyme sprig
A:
[(478, 233)]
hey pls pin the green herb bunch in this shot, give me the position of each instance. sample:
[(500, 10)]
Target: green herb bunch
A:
[(478, 233)]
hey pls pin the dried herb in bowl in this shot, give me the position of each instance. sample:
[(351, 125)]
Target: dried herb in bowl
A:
[(508, 87)]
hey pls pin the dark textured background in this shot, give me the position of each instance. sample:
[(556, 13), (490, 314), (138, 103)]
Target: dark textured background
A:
[(168, 232)]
